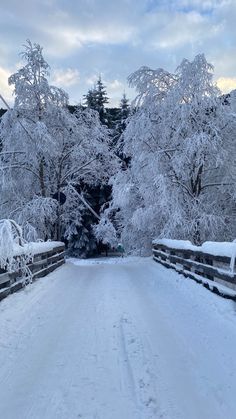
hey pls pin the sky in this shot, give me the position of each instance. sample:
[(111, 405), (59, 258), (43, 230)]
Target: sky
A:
[(83, 39)]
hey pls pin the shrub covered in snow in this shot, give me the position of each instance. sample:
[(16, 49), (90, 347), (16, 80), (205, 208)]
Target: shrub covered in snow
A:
[(13, 254)]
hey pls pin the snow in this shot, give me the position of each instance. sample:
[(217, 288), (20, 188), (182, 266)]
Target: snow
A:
[(105, 260), (176, 244), (213, 248), (219, 248), (117, 340), (34, 248), (223, 290)]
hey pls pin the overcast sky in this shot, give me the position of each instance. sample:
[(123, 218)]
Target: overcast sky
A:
[(85, 38)]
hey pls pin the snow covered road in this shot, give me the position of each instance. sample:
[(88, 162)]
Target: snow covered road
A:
[(124, 340)]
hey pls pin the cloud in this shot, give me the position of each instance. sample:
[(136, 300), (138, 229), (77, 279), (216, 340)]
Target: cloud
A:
[(5, 90), (226, 84), (201, 5), (115, 89), (182, 29), (66, 39), (65, 77), (115, 38), (92, 79)]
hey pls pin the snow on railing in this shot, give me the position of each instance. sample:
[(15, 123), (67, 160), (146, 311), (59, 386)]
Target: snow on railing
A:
[(212, 263), (21, 262)]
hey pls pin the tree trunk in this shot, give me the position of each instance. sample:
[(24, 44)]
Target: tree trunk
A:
[(41, 178)]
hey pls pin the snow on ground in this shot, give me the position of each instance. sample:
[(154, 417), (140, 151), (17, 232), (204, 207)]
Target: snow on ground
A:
[(106, 260), (129, 340)]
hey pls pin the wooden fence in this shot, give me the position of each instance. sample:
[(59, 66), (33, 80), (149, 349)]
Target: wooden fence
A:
[(210, 270), (41, 265)]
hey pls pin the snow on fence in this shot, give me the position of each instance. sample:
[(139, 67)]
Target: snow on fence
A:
[(212, 264), (43, 258)]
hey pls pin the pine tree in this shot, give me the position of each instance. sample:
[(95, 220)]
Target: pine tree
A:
[(121, 123), (123, 114), (101, 96), (90, 99), (96, 99), (124, 107)]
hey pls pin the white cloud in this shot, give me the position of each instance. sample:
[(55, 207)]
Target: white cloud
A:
[(182, 30), (226, 84), (115, 89), (203, 5), (91, 80), (5, 90), (63, 39), (115, 38), (65, 77)]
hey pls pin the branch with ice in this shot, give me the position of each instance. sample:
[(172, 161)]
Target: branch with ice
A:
[(13, 255)]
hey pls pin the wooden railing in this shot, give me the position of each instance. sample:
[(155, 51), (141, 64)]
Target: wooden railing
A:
[(41, 265), (198, 265)]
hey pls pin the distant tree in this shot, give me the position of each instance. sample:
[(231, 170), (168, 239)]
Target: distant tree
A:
[(124, 107), (121, 123), (101, 93), (96, 99), (90, 99)]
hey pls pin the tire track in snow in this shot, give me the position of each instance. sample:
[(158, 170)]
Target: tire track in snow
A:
[(141, 379)]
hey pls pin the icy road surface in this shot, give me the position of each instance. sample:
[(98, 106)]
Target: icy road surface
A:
[(119, 339)]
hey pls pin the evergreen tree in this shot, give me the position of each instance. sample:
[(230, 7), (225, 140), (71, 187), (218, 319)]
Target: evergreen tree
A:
[(96, 99), (121, 122), (124, 107), (90, 100), (123, 114), (101, 99)]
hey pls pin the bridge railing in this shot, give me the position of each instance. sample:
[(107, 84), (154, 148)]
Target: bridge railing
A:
[(45, 257), (197, 264)]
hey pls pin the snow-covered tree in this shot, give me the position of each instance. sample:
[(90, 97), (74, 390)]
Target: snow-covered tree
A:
[(97, 98), (124, 107), (122, 120), (90, 99), (101, 94), (46, 150), (175, 183), (14, 256)]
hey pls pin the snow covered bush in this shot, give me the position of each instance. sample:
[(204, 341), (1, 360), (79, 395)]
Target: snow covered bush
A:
[(12, 255), (106, 232)]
